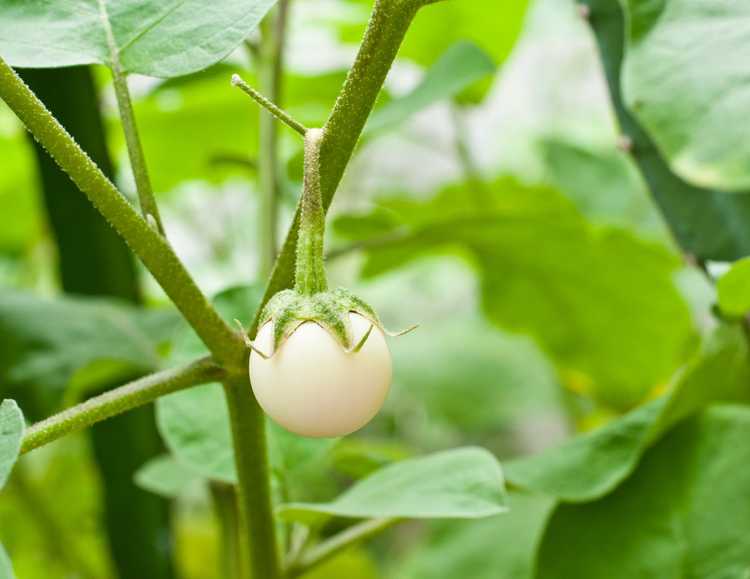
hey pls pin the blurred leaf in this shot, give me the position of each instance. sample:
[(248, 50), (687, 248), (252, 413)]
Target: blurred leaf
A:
[(165, 477), (698, 51), (6, 570), (358, 457), (11, 433), (459, 483), (600, 302), (733, 289), (683, 513), (494, 548), (459, 67), (18, 199), (605, 187), (610, 454), (48, 342), (151, 37), (708, 224), (493, 28), (350, 564)]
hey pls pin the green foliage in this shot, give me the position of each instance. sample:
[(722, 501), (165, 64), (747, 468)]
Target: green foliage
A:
[(458, 483), (50, 344), (683, 513), (609, 455), (694, 50), (463, 64), (11, 432), (164, 476), (706, 223), (734, 289), (150, 37), (614, 331), (493, 548)]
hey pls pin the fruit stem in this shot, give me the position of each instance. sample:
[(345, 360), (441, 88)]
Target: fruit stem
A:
[(310, 274)]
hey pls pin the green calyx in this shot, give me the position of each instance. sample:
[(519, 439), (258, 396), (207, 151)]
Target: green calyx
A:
[(289, 309)]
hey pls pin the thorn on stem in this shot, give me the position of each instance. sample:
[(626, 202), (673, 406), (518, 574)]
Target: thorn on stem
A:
[(625, 143), (584, 11)]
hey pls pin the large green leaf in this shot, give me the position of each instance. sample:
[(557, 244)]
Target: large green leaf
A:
[(165, 476), (11, 432), (493, 548), (601, 302), (6, 570), (46, 343), (459, 67), (708, 224), (683, 513), (609, 455), (685, 78), (157, 38), (465, 483), (733, 289)]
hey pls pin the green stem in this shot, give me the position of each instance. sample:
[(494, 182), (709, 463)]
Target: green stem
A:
[(310, 273), (388, 24), (269, 105), (343, 540), (257, 528), (119, 400), (151, 247), (146, 198), (225, 506)]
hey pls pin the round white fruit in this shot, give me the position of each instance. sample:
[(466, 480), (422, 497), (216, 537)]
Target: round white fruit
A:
[(312, 386)]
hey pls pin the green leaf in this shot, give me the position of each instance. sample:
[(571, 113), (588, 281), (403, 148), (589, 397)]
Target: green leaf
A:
[(683, 513), (708, 224), (599, 301), (48, 342), (6, 570), (494, 548), (699, 51), (604, 185), (733, 289), (460, 483), (609, 455), (157, 38), (11, 433), (165, 477), (459, 67)]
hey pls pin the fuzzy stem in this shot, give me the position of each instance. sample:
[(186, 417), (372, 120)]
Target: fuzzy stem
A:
[(343, 540), (150, 246), (225, 507), (257, 528), (276, 111), (310, 274), (146, 198), (119, 400), (388, 24)]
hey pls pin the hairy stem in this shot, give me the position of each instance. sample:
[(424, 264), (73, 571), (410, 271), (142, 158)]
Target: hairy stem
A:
[(269, 105), (388, 24), (310, 273), (119, 400), (334, 545), (146, 197), (150, 246), (257, 528)]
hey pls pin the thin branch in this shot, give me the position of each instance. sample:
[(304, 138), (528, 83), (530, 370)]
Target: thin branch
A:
[(119, 400), (334, 545), (149, 208), (150, 246), (276, 111), (237, 159)]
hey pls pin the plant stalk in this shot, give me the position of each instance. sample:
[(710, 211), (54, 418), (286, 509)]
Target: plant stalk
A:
[(225, 506), (310, 273), (150, 246), (119, 400), (258, 537)]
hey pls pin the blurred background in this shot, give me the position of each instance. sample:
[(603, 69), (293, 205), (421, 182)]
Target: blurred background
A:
[(587, 321)]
